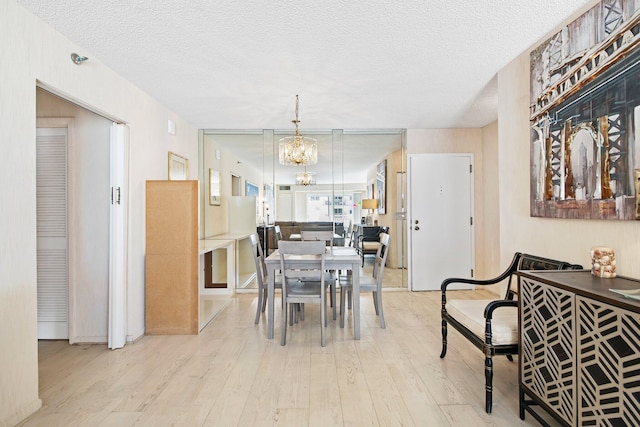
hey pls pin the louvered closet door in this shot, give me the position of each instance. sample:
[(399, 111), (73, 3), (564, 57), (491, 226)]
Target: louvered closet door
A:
[(51, 192)]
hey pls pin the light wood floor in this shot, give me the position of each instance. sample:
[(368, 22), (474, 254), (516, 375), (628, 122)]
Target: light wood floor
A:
[(232, 375)]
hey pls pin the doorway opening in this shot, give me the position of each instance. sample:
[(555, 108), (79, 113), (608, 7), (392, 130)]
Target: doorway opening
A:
[(86, 262)]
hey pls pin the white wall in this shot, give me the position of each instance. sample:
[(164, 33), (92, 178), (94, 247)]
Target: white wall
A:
[(564, 239), (32, 52), (489, 223)]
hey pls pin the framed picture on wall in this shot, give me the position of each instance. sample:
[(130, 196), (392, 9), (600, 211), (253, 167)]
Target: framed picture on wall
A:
[(381, 193), (178, 167)]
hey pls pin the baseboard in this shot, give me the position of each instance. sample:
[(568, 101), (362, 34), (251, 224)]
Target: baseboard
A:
[(132, 338), (88, 340)]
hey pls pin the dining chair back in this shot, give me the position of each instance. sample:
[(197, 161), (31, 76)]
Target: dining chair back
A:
[(354, 234), (261, 275), (371, 283), (278, 234), (325, 236), (300, 260), (330, 277), (347, 231)]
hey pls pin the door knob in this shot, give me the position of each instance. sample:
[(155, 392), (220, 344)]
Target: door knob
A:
[(416, 228)]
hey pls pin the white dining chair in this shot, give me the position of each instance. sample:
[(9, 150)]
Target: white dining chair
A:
[(330, 277), (298, 291), (371, 283), (261, 275)]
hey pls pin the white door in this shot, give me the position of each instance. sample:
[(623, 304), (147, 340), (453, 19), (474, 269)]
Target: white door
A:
[(118, 236), (52, 253), (441, 219)]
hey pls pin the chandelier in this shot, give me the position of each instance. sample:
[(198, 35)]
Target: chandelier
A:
[(298, 149), (306, 178)]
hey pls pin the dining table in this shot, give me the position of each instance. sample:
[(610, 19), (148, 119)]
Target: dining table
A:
[(336, 258)]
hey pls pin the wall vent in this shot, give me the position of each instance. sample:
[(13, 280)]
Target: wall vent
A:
[(284, 187)]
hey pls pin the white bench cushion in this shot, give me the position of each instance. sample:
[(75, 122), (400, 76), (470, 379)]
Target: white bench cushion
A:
[(470, 313), (370, 246)]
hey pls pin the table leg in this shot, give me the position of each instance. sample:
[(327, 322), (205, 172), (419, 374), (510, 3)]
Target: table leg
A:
[(356, 300), (271, 274)]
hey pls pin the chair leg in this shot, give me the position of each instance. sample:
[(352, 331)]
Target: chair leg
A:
[(283, 340), (375, 302), (488, 374), (333, 300), (259, 307), (293, 317), (326, 317), (323, 320), (343, 312), (379, 306), (444, 339), (264, 300)]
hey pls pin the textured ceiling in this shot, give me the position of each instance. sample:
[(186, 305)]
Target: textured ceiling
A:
[(355, 64)]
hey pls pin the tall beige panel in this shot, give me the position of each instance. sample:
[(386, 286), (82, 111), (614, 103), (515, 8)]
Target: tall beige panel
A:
[(171, 267)]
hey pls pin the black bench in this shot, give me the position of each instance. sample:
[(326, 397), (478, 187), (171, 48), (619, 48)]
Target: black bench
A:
[(493, 331), (367, 241)]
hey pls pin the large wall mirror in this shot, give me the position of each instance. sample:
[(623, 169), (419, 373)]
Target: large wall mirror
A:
[(347, 172)]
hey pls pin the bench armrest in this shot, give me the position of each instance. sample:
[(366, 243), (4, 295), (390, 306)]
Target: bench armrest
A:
[(493, 305), (363, 238), (488, 315), (452, 280), (506, 274)]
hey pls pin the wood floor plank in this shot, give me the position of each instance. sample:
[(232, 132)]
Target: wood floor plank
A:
[(325, 405), (262, 406), (228, 407), (354, 391), (389, 405)]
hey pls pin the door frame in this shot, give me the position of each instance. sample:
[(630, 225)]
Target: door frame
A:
[(71, 173)]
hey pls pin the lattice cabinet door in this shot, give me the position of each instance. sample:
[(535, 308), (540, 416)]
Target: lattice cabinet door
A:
[(548, 347), (608, 364)]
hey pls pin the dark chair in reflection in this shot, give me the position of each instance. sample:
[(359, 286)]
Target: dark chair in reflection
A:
[(368, 240)]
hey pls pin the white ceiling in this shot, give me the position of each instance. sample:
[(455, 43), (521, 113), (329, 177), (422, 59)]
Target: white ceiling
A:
[(359, 64), (355, 64)]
